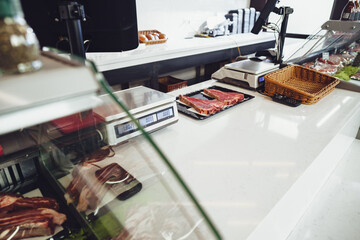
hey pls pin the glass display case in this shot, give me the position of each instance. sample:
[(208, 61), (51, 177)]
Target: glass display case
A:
[(72, 165), (333, 38), (333, 50)]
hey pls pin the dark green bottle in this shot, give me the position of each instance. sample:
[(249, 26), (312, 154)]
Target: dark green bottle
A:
[(19, 47)]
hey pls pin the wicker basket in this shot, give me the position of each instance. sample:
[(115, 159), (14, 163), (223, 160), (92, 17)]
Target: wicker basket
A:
[(152, 41), (168, 83), (300, 83)]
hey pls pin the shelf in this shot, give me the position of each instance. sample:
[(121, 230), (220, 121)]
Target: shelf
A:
[(62, 87)]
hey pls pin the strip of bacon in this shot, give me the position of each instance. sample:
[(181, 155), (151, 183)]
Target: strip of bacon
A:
[(202, 106), (11, 218), (113, 172), (228, 98), (98, 155), (36, 202), (20, 231), (7, 202), (10, 202), (30, 223)]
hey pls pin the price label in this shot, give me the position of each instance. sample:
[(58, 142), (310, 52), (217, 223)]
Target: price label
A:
[(325, 55)]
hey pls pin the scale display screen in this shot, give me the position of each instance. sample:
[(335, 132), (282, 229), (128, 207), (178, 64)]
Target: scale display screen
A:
[(261, 79), (123, 129), (148, 120), (165, 114)]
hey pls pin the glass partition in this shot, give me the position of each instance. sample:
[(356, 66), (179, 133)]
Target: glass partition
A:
[(125, 189), (332, 37)]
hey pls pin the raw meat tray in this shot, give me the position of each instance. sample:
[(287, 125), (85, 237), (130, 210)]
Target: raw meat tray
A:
[(198, 94)]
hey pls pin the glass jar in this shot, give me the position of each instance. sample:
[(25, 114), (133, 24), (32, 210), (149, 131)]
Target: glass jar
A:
[(19, 47)]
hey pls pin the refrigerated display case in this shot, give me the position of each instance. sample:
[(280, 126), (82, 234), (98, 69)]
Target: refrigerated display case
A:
[(333, 37), (56, 145), (332, 50)]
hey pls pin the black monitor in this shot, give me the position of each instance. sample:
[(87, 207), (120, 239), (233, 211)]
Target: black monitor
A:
[(268, 8), (110, 26)]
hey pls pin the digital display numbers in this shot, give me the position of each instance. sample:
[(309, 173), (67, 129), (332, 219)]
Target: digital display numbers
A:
[(261, 79), (147, 120), (123, 129), (164, 114), (126, 128)]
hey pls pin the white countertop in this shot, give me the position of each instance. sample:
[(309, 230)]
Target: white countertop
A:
[(334, 213), (174, 48), (256, 167)]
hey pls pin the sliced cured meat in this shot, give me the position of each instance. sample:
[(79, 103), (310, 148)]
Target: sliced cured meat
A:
[(322, 67), (85, 190), (10, 202), (24, 215), (29, 223), (7, 202), (202, 106), (88, 187), (334, 59), (98, 155), (112, 172), (310, 65), (36, 202), (42, 227), (356, 75), (228, 98)]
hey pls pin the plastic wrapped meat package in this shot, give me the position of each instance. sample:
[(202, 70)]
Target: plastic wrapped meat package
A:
[(157, 221), (29, 216)]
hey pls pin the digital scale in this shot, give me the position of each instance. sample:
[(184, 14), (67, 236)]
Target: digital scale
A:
[(245, 73), (152, 109)]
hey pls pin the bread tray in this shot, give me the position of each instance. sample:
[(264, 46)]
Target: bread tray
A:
[(198, 94), (151, 32)]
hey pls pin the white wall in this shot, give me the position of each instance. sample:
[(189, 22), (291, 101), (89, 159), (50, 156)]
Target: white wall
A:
[(181, 17), (308, 15)]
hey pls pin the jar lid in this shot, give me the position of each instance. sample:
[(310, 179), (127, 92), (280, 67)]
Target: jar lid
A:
[(10, 8)]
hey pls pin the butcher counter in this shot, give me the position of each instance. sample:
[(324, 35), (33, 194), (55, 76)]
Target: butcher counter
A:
[(255, 168), (248, 172)]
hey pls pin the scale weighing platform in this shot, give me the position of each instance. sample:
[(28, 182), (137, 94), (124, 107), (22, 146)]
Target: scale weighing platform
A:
[(245, 73), (152, 109)]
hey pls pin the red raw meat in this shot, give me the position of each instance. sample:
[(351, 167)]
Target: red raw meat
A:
[(228, 98), (202, 106)]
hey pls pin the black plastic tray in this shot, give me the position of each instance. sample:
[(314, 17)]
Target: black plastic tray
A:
[(197, 94)]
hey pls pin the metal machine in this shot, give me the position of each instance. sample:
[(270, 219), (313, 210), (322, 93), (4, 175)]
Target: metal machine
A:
[(246, 73), (152, 109)]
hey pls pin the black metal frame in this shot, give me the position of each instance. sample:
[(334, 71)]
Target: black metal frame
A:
[(72, 13)]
